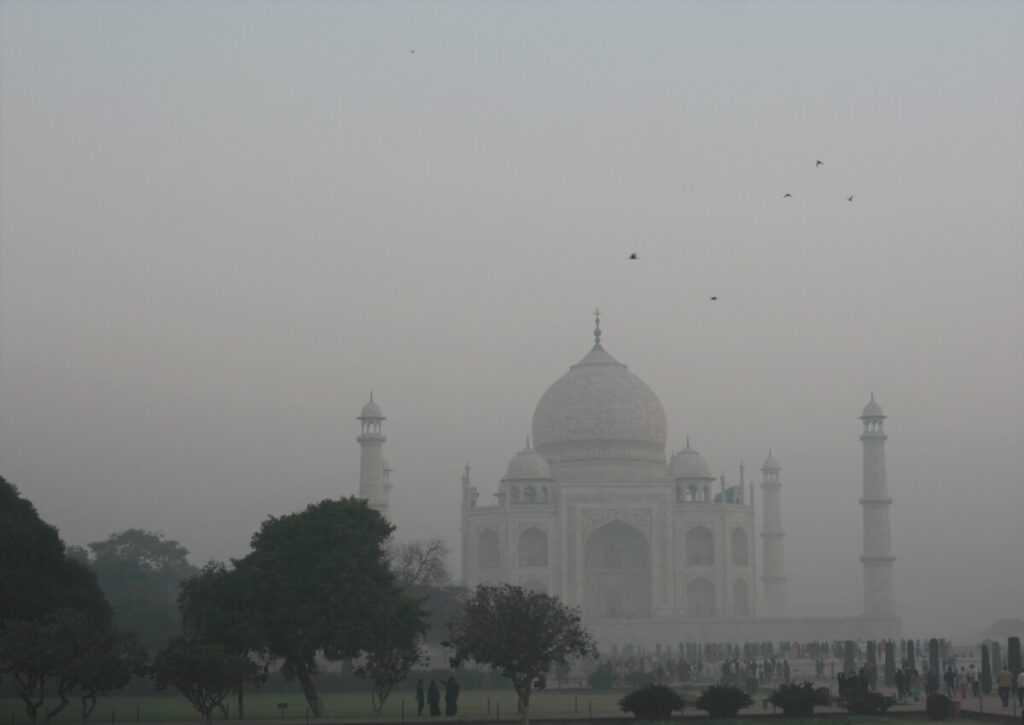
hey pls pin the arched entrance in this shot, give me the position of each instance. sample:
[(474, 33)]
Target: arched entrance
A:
[(617, 576)]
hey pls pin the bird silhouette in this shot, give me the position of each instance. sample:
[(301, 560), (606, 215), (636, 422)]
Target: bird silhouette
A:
[(412, 51), (787, 195), (850, 197), (633, 256), (818, 163), (713, 299)]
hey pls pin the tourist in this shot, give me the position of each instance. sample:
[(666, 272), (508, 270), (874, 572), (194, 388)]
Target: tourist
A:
[(950, 680), (901, 685), (964, 683), (916, 686), (1020, 689), (421, 697), (451, 696), (1004, 681), (931, 681), (434, 699), (972, 677)]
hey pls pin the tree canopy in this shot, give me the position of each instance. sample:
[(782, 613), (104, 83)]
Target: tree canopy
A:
[(321, 584), (421, 572), (218, 605), (521, 634), (140, 572), (36, 576)]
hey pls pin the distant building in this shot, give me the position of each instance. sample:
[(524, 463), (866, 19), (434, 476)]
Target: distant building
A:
[(655, 553)]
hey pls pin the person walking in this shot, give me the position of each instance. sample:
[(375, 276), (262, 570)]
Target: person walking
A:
[(950, 680), (434, 699), (1004, 681), (451, 696), (1020, 689), (916, 685), (421, 697)]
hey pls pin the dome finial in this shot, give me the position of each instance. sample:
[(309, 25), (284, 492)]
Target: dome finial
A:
[(687, 440), (527, 441), (371, 396), (597, 326)]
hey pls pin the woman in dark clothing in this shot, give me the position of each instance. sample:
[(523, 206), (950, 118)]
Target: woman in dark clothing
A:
[(421, 697), (451, 696), (434, 699)]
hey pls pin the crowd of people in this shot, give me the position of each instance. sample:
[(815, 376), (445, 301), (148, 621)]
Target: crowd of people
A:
[(755, 664)]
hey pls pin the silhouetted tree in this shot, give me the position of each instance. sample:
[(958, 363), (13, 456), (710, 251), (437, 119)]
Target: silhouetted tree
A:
[(321, 585), (521, 634)]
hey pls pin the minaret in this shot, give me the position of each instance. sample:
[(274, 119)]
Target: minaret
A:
[(773, 580), (877, 558), (373, 470)]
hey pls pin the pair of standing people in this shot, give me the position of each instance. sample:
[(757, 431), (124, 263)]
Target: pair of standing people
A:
[(432, 697)]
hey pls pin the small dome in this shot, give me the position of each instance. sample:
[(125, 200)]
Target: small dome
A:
[(371, 410), (690, 464), (528, 465), (872, 409), (770, 464)]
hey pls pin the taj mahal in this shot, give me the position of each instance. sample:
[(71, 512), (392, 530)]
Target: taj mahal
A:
[(654, 551)]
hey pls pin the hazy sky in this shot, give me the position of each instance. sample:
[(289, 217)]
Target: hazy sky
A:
[(222, 224)]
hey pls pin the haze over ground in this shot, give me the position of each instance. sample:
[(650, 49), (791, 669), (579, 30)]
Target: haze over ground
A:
[(222, 224)]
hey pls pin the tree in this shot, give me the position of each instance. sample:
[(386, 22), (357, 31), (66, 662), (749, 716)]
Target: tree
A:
[(63, 652), (418, 565), (321, 585), (394, 653), (36, 576), (217, 605), (421, 572), (140, 572), (202, 671), (520, 634), (55, 624), (109, 659)]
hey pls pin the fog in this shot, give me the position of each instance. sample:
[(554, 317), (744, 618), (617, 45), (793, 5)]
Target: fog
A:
[(223, 224)]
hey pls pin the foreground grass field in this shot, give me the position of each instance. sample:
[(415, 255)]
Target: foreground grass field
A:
[(473, 704), (258, 705)]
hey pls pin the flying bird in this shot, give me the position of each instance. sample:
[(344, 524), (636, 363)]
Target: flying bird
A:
[(787, 195), (633, 256), (850, 197), (412, 51), (818, 163), (713, 299)]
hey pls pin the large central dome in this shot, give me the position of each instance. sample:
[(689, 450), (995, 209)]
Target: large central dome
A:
[(599, 410)]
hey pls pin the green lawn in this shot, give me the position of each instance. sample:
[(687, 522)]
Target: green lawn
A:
[(472, 703)]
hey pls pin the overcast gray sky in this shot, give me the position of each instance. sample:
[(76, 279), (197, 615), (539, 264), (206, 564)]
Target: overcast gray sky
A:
[(222, 224)]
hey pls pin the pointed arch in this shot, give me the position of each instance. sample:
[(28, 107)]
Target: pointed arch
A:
[(533, 547), (700, 599), (740, 547), (487, 549), (700, 547), (740, 599)]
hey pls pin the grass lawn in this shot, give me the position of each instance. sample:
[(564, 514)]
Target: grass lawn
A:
[(259, 705)]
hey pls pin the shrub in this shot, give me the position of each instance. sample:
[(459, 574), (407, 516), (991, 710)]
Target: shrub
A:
[(602, 678), (723, 701), (797, 699), (938, 706), (860, 701), (653, 702)]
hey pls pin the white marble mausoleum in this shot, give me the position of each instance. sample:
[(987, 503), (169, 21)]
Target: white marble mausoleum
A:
[(655, 552)]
